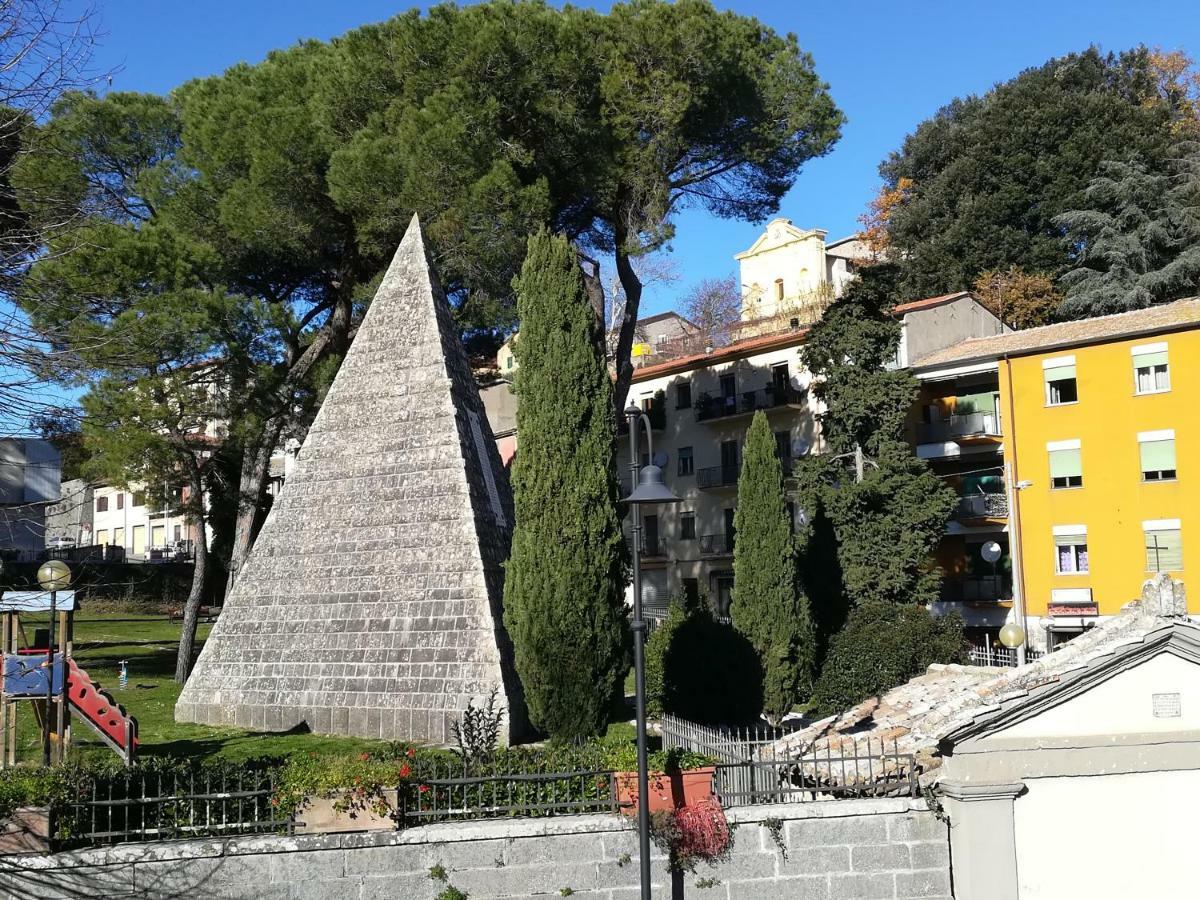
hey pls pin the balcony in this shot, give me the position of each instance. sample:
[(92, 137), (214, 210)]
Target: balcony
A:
[(960, 428), (981, 506), (716, 477), (652, 547), (974, 590), (716, 544), (745, 403), (656, 413)]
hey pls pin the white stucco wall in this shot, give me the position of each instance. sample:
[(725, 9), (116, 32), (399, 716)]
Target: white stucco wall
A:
[(1108, 836), (1124, 705)]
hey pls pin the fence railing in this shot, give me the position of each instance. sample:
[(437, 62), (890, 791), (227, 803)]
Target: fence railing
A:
[(158, 806), (716, 476), (982, 506), (999, 655), (970, 425), (750, 770), (773, 395)]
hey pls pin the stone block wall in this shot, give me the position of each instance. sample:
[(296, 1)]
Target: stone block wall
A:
[(885, 849)]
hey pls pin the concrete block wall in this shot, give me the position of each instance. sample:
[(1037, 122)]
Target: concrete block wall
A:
[(835, 850)]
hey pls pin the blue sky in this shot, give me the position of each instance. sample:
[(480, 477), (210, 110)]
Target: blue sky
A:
[(889, 65)]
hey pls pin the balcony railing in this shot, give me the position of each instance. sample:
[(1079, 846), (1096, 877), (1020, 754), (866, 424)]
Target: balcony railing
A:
[(956, 427), (716, 544), (657, 414), (710, 408), (651, 547), (982, 506), (969, 590), (716, 476)]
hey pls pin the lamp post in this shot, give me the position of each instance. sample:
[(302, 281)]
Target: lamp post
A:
[(53, 576), (646, 487)]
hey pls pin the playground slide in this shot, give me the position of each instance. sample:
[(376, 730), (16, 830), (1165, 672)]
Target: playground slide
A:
[(104, 714)]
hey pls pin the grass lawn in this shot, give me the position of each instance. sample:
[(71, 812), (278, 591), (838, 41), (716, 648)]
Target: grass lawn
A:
[(149, 643)]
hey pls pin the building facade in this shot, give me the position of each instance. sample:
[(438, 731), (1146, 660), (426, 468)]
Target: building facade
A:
[(143, 526), (30, 471), (1094, 426)]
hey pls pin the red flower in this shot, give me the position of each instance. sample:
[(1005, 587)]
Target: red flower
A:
[(410, 753), (364, 756), (423, 788), (405, 770), (274, 801)]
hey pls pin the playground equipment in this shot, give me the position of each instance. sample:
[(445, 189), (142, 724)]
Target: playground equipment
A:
[(23, 677)]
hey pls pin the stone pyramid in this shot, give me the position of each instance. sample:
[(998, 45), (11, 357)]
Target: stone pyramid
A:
[(371, 602)]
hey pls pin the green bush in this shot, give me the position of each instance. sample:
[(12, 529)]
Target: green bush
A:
[(881, 646), (701, 670)]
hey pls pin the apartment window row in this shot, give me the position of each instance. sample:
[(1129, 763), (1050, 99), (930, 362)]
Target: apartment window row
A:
[(1151, 374), (1156, 453), (1163, 539)]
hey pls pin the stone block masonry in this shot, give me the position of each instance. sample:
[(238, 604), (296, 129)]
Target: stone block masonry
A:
[(835, 850), (371, 602)]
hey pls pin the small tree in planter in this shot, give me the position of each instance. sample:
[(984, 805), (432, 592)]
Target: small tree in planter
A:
[(677, 778)]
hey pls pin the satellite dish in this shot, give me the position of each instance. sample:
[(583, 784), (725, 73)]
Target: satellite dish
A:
[(801, 446), (991, 551), (660, 459)]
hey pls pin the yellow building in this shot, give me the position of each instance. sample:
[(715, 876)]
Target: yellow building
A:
[(1100, 431)]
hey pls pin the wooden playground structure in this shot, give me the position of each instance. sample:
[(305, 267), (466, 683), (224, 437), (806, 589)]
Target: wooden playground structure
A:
[(54, 692)]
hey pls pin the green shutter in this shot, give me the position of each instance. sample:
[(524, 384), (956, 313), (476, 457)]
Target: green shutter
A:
[(1169, 557), (1065, 463), (1058, 373), (1158, 456), (975, 403), (1150, 359)]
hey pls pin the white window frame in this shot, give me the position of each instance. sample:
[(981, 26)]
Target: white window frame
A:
[(1158, 437), (1052, 447), (1072, 531), (1142, 350), (1056, 363)]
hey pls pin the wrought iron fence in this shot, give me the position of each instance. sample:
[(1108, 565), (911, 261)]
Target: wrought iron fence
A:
[(158, 806), (751, 770)]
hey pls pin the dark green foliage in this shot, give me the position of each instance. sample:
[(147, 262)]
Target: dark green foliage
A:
[(882, 646), (990, 173), (871, 540), (564, 589), (702, 670), (1136, 238), (768, 606)]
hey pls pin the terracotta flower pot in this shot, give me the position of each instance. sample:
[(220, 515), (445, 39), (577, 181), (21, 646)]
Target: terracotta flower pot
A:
[(667, 792)]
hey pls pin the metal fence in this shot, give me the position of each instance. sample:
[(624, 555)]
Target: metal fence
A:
[(751, 771), (157, 806), (997, 655)]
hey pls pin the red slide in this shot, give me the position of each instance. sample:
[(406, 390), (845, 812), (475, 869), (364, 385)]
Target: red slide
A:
[(103, 713)]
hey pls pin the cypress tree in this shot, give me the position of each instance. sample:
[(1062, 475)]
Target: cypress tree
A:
[(768, 608), (564, 588)]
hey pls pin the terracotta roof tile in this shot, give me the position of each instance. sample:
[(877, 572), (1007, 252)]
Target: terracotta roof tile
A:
[(1177, 316), (928, 302)]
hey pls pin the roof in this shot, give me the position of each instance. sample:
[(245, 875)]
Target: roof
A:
[(950, 702), (1177, 316), (737, 350), (663, 316), (928, 302)]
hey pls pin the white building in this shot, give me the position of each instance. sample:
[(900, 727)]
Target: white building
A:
[(143, 525)]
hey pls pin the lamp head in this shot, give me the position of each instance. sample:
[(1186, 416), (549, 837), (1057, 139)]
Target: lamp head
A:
[(651, 488), (54, 575), (632, 410), (1012, 635)]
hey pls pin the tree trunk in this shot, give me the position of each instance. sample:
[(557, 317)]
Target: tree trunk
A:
[(632, 286), (256, 461), (191, 609)]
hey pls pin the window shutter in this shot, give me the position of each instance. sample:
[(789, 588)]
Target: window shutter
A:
[(1150, 359), (1059, 373), (1157, 456), (1065, 463), (1169, 557)]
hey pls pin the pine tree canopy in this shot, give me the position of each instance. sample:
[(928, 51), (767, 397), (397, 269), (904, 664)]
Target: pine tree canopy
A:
[(1136, 238), (768, 607), (564, 588)]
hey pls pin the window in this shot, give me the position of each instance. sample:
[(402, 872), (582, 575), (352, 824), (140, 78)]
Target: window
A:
[(683, 395), (1070, 549), (778, 288), (101, 504), (1151, 374), (691, 591), (120, 501), (660, 338), (139, 498), (687, 527), (1164, 545), (102, 536), (508, 361), (178, 532), (1157, 450), (1061, 387), (650, 535), (686, 463), (783, 448), (119, 537), (728, 387), (1066, 464)]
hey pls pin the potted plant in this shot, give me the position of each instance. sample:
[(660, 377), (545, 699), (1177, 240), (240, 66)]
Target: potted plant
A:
[(677, 778)]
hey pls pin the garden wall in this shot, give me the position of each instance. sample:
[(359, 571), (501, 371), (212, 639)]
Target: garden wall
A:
[(836, 849)]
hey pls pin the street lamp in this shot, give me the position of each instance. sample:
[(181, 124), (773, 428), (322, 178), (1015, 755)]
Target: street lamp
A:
[(53, 576), (647, 487)]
